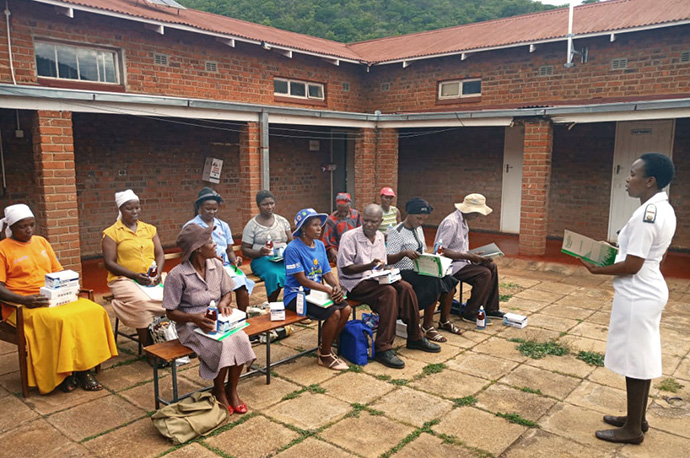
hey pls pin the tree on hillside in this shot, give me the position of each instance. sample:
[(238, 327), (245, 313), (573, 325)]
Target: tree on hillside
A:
[(357, 20)]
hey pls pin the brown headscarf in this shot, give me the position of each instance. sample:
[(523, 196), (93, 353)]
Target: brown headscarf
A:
[(191, 237)]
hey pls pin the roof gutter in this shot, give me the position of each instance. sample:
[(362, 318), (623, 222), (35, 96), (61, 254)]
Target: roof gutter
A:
[(45, 98), (186, 28)]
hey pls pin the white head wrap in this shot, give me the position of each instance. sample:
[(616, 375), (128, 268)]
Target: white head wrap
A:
[(15, 213), (122, 198)]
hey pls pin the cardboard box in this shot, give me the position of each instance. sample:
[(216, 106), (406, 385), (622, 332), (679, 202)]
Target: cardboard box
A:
[(60, 296), (277, 311), (401, 329), (514, 320), (233, 321), (580, 246), (63, 279)]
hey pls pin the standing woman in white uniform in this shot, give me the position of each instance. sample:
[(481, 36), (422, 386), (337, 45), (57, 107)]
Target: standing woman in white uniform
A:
[(633, 348)]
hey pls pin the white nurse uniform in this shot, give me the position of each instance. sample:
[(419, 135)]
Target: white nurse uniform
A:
[(633, 348)]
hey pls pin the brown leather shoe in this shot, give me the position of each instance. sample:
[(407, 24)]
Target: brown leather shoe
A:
[(613, 435)]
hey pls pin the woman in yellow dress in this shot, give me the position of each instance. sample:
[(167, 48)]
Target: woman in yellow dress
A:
[(63, 343)]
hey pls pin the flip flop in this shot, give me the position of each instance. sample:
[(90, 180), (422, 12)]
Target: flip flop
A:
[(450, 327), (69, 384), (88, 382), (433, 335)]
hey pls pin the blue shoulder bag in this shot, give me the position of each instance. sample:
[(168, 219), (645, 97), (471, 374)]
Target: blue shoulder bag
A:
[(357, 342)]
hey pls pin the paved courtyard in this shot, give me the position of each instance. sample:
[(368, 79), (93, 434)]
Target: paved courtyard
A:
[(479, 397)]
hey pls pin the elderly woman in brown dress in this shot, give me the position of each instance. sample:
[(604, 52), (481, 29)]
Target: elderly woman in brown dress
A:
[(189, 289)]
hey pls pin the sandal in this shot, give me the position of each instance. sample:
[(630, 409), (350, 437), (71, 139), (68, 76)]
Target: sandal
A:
[(333, 363), (450, 327), (69, 384), (88, 381), (433, 335)]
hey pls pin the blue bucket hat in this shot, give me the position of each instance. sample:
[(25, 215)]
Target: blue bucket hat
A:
[(303, 215)]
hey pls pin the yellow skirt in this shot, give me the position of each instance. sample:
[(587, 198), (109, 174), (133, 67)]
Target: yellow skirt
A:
[(61, 340)]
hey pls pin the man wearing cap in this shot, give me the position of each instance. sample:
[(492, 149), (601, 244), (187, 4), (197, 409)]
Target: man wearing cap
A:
[(478, 271), (362, 250), (341, 220), (391, 214)]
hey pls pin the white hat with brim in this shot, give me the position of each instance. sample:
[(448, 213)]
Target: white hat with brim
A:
[(304, 215), (474, 203)]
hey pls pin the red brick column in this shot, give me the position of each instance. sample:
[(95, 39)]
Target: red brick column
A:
[(250, 169), (376, 164), (536, 180), (57, 210)]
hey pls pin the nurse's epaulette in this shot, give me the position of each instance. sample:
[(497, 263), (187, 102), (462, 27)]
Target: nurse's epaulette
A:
[(649, 214)]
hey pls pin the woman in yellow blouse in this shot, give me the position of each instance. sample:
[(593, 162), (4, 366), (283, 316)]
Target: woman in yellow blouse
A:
[(63, 343), (130, 247)]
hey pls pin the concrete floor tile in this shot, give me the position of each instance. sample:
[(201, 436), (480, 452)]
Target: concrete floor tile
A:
[(314, 448), (502, 398), (257, 395), (309, 411), (12, 383), (121, 358), (367, 435), (607, 377), (549, 383), (412, 367), (536, 443), (121, 377), (14, 413), (683, 369), (552, 323), (530, 332), (600, 398), (256, 437), (584, 302), (142, 395), (480, 429), (305, 371), (578, 424), (94, 417), (523, 305), (567, 311), (675, 342), (567, 364), (657, 444), (39, 438), (577, 344), (412, 407), (450, 384), (523, 282), (462, 341), (670, 415), (501, 348), (555, 287), (6, 347), (140, 439), (447, 352), (46, 404), (278, 352), (429, 446), (534, 294), (360, 388), (9, 362), (478, 336), (600, 318), (591, 331), (481, 365), (669, 364), (193, 450), (302, 339)]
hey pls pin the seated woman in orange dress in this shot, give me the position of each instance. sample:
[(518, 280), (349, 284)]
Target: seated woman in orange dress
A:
[(63, 343)]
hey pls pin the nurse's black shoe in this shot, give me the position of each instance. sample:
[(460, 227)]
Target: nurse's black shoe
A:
[(618, 436), (620, 421)]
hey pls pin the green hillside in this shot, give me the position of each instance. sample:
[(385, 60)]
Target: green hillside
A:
[(357, 20)]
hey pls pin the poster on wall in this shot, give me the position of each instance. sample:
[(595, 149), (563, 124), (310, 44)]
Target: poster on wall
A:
[(212, 169)]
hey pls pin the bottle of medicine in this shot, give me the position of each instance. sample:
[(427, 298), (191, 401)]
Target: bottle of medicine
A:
[(153, 270), (269, 245), (301, 302), (481, 318), (212, 314)]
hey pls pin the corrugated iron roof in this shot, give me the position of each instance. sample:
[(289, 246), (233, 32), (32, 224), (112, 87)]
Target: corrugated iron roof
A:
[(607, 17)]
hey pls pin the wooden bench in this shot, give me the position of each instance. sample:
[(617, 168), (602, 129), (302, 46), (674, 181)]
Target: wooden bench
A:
[(170, 351)]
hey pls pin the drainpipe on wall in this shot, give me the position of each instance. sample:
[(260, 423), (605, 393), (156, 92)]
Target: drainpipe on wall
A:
[(9, 41), (263, 148)]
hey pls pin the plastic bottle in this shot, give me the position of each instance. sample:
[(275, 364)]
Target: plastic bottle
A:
[(301, 303), (481, 318), (212, 314), (269, 244), (438, 248), (153, 270)]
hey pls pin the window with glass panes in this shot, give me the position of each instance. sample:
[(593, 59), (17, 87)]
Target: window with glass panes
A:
[(460, 88), (57, 60), (298, 89)]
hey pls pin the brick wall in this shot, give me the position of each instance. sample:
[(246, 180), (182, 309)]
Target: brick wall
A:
[(245, 73), (581, 179), (376, 164), (444, 167), (511, 77), (19, 166), (161, 161)]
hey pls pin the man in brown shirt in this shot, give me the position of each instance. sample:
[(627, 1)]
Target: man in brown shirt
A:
[(361, 251)]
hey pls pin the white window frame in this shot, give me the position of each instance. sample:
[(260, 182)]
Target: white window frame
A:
[(116, 62), (306, 95), (460, 87)]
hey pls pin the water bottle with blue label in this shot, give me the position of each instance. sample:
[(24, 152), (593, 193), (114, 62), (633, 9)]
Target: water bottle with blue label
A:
[(301, 302)]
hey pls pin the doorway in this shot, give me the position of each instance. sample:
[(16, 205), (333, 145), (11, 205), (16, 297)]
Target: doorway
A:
[(634, 138), (511, 194)]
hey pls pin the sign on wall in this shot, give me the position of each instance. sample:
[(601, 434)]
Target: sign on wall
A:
[(212, 169)]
